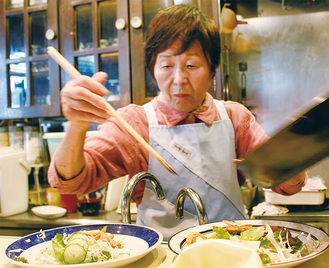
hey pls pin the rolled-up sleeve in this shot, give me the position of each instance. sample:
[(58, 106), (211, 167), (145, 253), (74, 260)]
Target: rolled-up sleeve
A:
[(110, 154)]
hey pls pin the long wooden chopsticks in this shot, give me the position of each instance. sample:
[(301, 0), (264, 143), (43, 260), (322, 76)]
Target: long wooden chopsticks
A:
[(67, 66)]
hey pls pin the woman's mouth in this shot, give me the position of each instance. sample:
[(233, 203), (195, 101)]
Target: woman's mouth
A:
[(181, 96)]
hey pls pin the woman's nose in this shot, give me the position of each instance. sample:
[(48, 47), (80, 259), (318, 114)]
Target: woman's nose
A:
[(179, 75)]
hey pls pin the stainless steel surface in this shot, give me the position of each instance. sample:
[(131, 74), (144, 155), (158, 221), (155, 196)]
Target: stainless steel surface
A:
[(287, 54), (197, 202), (129, 188), (318, 219), (299, 145)]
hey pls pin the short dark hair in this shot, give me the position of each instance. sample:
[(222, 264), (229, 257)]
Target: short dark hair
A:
[(187, 23)]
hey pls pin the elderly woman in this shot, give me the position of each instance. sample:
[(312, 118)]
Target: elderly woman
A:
[(197, 135)]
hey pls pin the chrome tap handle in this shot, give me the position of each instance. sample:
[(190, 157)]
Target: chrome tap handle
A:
[(129, 188), (197, 202)]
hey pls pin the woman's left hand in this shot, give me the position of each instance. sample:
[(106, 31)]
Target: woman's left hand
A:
[(293, 185)]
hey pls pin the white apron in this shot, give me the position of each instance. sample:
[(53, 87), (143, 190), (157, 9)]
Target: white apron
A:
[(202, 156)]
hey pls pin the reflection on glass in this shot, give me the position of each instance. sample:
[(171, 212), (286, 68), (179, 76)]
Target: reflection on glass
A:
[(15, 4), (108, 16), (16, 38), (110, 65), (150, 9), (37, 2), (152, 89), (38, 30), (40, 82), (84, 27), (187, 2), (17, 77), (85, 65)]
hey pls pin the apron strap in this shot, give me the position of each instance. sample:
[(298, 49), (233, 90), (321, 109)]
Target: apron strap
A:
[(150, 113), (221, 110)]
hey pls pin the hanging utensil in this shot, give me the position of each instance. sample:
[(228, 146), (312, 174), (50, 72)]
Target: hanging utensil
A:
[(228, 20)]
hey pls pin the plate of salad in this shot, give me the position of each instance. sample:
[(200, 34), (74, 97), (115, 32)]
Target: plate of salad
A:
[(278, 243), (96, 246)]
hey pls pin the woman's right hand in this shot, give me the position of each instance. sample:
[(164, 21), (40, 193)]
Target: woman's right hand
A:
[(82, 100)]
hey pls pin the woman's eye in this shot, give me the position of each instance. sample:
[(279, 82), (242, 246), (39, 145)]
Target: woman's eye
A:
[(166, 66), (191, 66)]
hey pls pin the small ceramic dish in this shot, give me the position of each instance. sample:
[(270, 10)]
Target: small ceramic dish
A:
[(49, 212)]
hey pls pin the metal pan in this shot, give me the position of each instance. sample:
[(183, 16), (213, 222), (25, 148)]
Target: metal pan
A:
[(299, 145)]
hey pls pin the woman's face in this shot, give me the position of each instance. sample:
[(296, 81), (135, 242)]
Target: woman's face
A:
[(183, 79)]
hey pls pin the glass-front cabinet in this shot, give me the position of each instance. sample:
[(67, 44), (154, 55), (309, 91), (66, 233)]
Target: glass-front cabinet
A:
[(29, 81), (94, 35), (109, 36), (96, 38)]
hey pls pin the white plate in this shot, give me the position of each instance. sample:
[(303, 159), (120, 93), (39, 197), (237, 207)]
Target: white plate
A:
[(49, 212), (138, 241), (177, 243)]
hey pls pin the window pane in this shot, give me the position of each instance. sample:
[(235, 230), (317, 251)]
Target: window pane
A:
[(37, 2), (84, 27), (38, 29), (86, 65), (40, 82), (17, 74), (15, 4), (108, 16), (16, 38), (110, 65)]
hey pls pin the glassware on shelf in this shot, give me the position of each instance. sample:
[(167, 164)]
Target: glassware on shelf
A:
[(35, 158), (37, 193), (16, 136), (4, 136), (32, 145)]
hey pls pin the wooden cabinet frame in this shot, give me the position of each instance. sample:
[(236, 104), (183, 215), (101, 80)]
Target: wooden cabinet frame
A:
[(6, 112)]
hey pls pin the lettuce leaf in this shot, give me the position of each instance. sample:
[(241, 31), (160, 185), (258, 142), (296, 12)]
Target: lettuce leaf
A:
[(58, 246), (252, 234), (221, 233)]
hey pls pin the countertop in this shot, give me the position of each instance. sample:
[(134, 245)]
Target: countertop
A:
[(317, 216), (27, 222)]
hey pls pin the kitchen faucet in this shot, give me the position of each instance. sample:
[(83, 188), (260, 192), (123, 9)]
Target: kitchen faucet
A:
[(197, 202), (129, 188)]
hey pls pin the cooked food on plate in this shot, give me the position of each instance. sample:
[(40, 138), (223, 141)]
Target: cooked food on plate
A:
[(80, 247), (274, 244)]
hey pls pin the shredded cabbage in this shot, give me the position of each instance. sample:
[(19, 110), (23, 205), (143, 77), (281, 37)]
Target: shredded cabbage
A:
[(272, 247)]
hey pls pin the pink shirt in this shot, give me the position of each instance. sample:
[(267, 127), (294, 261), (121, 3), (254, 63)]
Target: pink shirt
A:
[(113, 153)]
